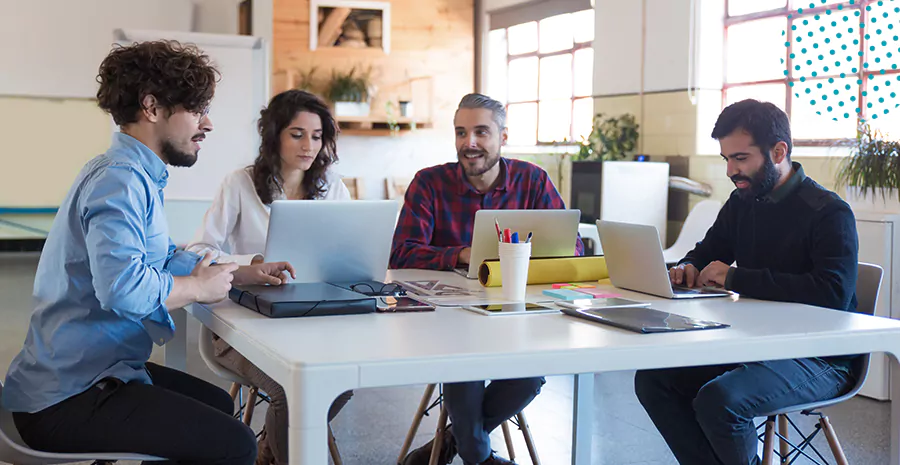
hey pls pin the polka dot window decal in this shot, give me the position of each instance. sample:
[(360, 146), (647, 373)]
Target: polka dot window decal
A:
[(824, 32)]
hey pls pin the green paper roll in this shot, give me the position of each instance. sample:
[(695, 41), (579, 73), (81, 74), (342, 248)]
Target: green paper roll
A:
[(550, 270)]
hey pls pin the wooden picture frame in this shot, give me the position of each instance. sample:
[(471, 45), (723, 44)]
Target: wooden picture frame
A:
[(363, 16)]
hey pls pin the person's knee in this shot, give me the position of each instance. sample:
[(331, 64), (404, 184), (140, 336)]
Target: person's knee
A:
[(648, 387), (221, 401), (717, 405), (241, 444)]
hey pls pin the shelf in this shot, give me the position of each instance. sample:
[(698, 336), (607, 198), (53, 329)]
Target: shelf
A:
[(369, 126)]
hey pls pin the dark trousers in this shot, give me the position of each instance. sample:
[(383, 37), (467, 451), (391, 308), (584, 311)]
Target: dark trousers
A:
[(476, 410), (179, 417), (706, 414)]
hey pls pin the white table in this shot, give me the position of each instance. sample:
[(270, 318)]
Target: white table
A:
[(316, 359)]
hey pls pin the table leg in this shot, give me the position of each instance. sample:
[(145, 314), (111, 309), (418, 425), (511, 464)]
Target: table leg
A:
[(176, 349), (895, 410), (309, 397), (582, 418)]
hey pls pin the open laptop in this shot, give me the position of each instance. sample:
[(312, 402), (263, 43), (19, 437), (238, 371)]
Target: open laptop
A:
[(554, 233), (634, 258), (332, 241)]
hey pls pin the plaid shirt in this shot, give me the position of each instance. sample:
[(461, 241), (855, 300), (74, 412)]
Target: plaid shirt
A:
[(438, 215)]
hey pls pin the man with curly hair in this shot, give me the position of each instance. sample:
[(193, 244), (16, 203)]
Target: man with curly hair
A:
[(109, 274)]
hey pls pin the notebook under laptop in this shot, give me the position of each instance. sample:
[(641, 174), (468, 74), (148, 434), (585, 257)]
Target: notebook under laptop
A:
[(635, 261), (643, 320)]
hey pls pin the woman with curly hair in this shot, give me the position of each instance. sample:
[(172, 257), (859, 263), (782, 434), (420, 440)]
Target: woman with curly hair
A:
[(109, 274), (297, 150)]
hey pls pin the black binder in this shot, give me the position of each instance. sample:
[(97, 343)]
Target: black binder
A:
[(302, 299)]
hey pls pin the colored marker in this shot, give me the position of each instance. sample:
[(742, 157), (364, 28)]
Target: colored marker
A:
[(528, 239), (499, 232), (515, 238), (506, 235)]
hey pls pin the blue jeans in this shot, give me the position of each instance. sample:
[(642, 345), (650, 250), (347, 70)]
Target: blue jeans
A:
[(476, 410), (706, 414)]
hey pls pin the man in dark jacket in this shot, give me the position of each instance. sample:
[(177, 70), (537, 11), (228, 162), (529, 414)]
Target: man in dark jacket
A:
[(791, 240)]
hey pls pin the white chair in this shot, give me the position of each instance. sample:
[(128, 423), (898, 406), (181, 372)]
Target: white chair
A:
[(14, 450), (207, 353), (698, 221), (868, 285), (589, 231)]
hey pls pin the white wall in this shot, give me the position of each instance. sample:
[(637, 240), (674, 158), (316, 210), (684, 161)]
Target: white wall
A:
[(216, 16), (374, 158)]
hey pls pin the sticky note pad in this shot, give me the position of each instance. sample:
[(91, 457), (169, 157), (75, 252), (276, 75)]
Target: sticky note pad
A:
[(597, 293), (584, 286), (569, 287), (560, 285), (564, 294)]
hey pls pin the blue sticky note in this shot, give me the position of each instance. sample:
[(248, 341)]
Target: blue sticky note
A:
[(565, 294)]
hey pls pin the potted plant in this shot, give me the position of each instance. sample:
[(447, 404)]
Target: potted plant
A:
[(611, 139), (871, 173), (350, 92)]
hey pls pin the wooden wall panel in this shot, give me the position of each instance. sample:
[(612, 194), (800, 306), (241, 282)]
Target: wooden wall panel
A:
[(429, 38)]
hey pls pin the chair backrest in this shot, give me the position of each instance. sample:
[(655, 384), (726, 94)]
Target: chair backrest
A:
[(868, 287), (395, 187), (698, 221), (208, 354)]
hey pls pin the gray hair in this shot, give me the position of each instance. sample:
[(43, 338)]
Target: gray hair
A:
[(483, 101)]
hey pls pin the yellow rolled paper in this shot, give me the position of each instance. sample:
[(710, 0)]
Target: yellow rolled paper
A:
[(550, 270)]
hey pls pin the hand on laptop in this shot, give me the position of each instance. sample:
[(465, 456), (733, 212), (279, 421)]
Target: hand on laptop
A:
[(714, 275), (684, 275), (464, 256), (263, 273)]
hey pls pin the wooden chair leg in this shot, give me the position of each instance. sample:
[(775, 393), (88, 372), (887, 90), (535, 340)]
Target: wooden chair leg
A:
[(509, 444), (529, 440), (233, 392), (251, 404), (417, 421), (769, 443), (438, 437), (333, 449), (833, 442), (784, 447)]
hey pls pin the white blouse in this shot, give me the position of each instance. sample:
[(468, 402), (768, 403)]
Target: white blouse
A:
[(235, 226)]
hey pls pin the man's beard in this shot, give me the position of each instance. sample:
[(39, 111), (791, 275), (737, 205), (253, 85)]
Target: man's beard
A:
[(176, 157), (762, 183), (475, 171)]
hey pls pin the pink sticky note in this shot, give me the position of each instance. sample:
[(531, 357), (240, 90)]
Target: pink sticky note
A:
[(598, 293), (560, 285)]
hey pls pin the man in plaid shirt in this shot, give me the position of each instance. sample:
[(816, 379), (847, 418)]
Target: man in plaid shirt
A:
[(435, 232)]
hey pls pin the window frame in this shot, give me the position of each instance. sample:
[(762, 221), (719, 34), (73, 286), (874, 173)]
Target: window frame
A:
[(789, 12), (576, 46)]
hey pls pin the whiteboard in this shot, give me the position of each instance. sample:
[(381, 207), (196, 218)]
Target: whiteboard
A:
[(240, 95), (53, 48)]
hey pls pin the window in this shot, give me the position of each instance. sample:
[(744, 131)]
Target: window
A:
[(543, 71), (819, 61)]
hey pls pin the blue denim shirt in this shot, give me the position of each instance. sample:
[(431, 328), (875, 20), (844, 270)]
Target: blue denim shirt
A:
[(104, 274)]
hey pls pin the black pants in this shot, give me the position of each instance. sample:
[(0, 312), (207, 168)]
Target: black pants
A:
[(179, 417)]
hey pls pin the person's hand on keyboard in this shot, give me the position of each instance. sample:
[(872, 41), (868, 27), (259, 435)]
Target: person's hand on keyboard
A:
[(683, 275), (714, 275)]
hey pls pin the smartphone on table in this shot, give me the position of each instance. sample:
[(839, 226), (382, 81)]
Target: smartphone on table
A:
[(391, 304)]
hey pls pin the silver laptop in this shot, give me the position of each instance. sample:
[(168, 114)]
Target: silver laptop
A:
[(554, 233), (634, 258), (332, 241)]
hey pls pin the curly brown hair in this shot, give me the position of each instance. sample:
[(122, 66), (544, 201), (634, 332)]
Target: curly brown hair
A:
[(175, 74), (272, 121)]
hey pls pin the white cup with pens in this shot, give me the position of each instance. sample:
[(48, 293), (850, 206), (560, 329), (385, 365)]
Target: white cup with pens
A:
[(514, 258)]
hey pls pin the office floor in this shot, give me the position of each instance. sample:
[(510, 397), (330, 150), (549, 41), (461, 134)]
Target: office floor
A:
[(371, 429)]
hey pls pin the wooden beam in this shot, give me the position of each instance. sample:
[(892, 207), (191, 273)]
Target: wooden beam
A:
[(331, 27)]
